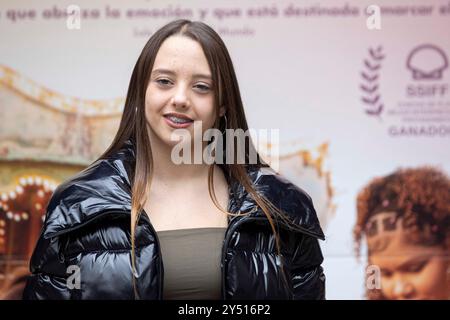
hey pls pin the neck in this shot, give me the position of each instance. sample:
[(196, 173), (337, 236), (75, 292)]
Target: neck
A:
[(165, 169)]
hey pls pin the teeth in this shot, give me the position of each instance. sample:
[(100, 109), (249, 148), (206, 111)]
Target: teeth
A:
[(178, 120)]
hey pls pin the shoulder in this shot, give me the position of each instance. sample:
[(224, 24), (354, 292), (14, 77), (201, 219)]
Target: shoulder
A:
[(289, 198), (278, 187), (103, 185)]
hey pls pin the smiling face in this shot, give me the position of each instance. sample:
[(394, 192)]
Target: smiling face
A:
[(180, 91), (409, 270)]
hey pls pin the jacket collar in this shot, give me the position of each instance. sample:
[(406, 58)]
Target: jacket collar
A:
[(105, 186)]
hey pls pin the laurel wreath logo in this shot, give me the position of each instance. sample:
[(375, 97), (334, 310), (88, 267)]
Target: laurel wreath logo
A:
[(370, 76)]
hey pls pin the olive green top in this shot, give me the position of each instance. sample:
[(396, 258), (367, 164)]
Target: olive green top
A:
[(191, 260)]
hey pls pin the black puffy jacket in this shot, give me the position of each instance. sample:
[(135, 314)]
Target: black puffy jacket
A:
[(87, 234)]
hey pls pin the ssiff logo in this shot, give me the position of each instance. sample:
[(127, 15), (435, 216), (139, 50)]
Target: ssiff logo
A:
[(423, 104), (427, 62)]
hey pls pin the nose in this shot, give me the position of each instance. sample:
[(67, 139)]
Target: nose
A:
[(180, 99), (402, 289)]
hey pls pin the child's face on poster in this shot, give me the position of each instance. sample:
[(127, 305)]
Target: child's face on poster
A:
[(409, 270)]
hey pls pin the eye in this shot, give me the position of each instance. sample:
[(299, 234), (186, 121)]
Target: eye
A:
[(163, 82), (416, 267), (386, 273), (202, 87)]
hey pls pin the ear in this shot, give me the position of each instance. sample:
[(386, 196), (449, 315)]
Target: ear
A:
[(222, 111)]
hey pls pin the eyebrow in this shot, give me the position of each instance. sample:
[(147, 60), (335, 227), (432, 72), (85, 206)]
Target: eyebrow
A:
[(411, 261), (167, 71), (414, 260)]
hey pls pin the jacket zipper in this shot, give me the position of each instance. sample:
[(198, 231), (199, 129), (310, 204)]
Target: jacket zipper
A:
[(229, 232), (232, 229)]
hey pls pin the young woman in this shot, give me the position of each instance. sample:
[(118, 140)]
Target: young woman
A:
[(405, 218), (137, 225)]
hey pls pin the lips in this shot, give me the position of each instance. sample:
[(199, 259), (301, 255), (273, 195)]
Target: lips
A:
[(178, 120)]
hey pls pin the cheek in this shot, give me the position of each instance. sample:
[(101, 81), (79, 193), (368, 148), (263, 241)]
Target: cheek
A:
[(154, 99), (432, 280), (387, 287), (206, 111)]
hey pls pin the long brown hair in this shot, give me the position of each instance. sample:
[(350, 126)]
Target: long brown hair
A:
[(133, 123)]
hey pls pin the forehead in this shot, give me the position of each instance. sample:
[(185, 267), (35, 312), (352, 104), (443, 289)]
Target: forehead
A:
[(182, 55), (394, 248)]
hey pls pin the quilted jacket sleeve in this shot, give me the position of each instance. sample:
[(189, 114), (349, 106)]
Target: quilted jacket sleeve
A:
[(308, 278), (48, 280), (42, 286)]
